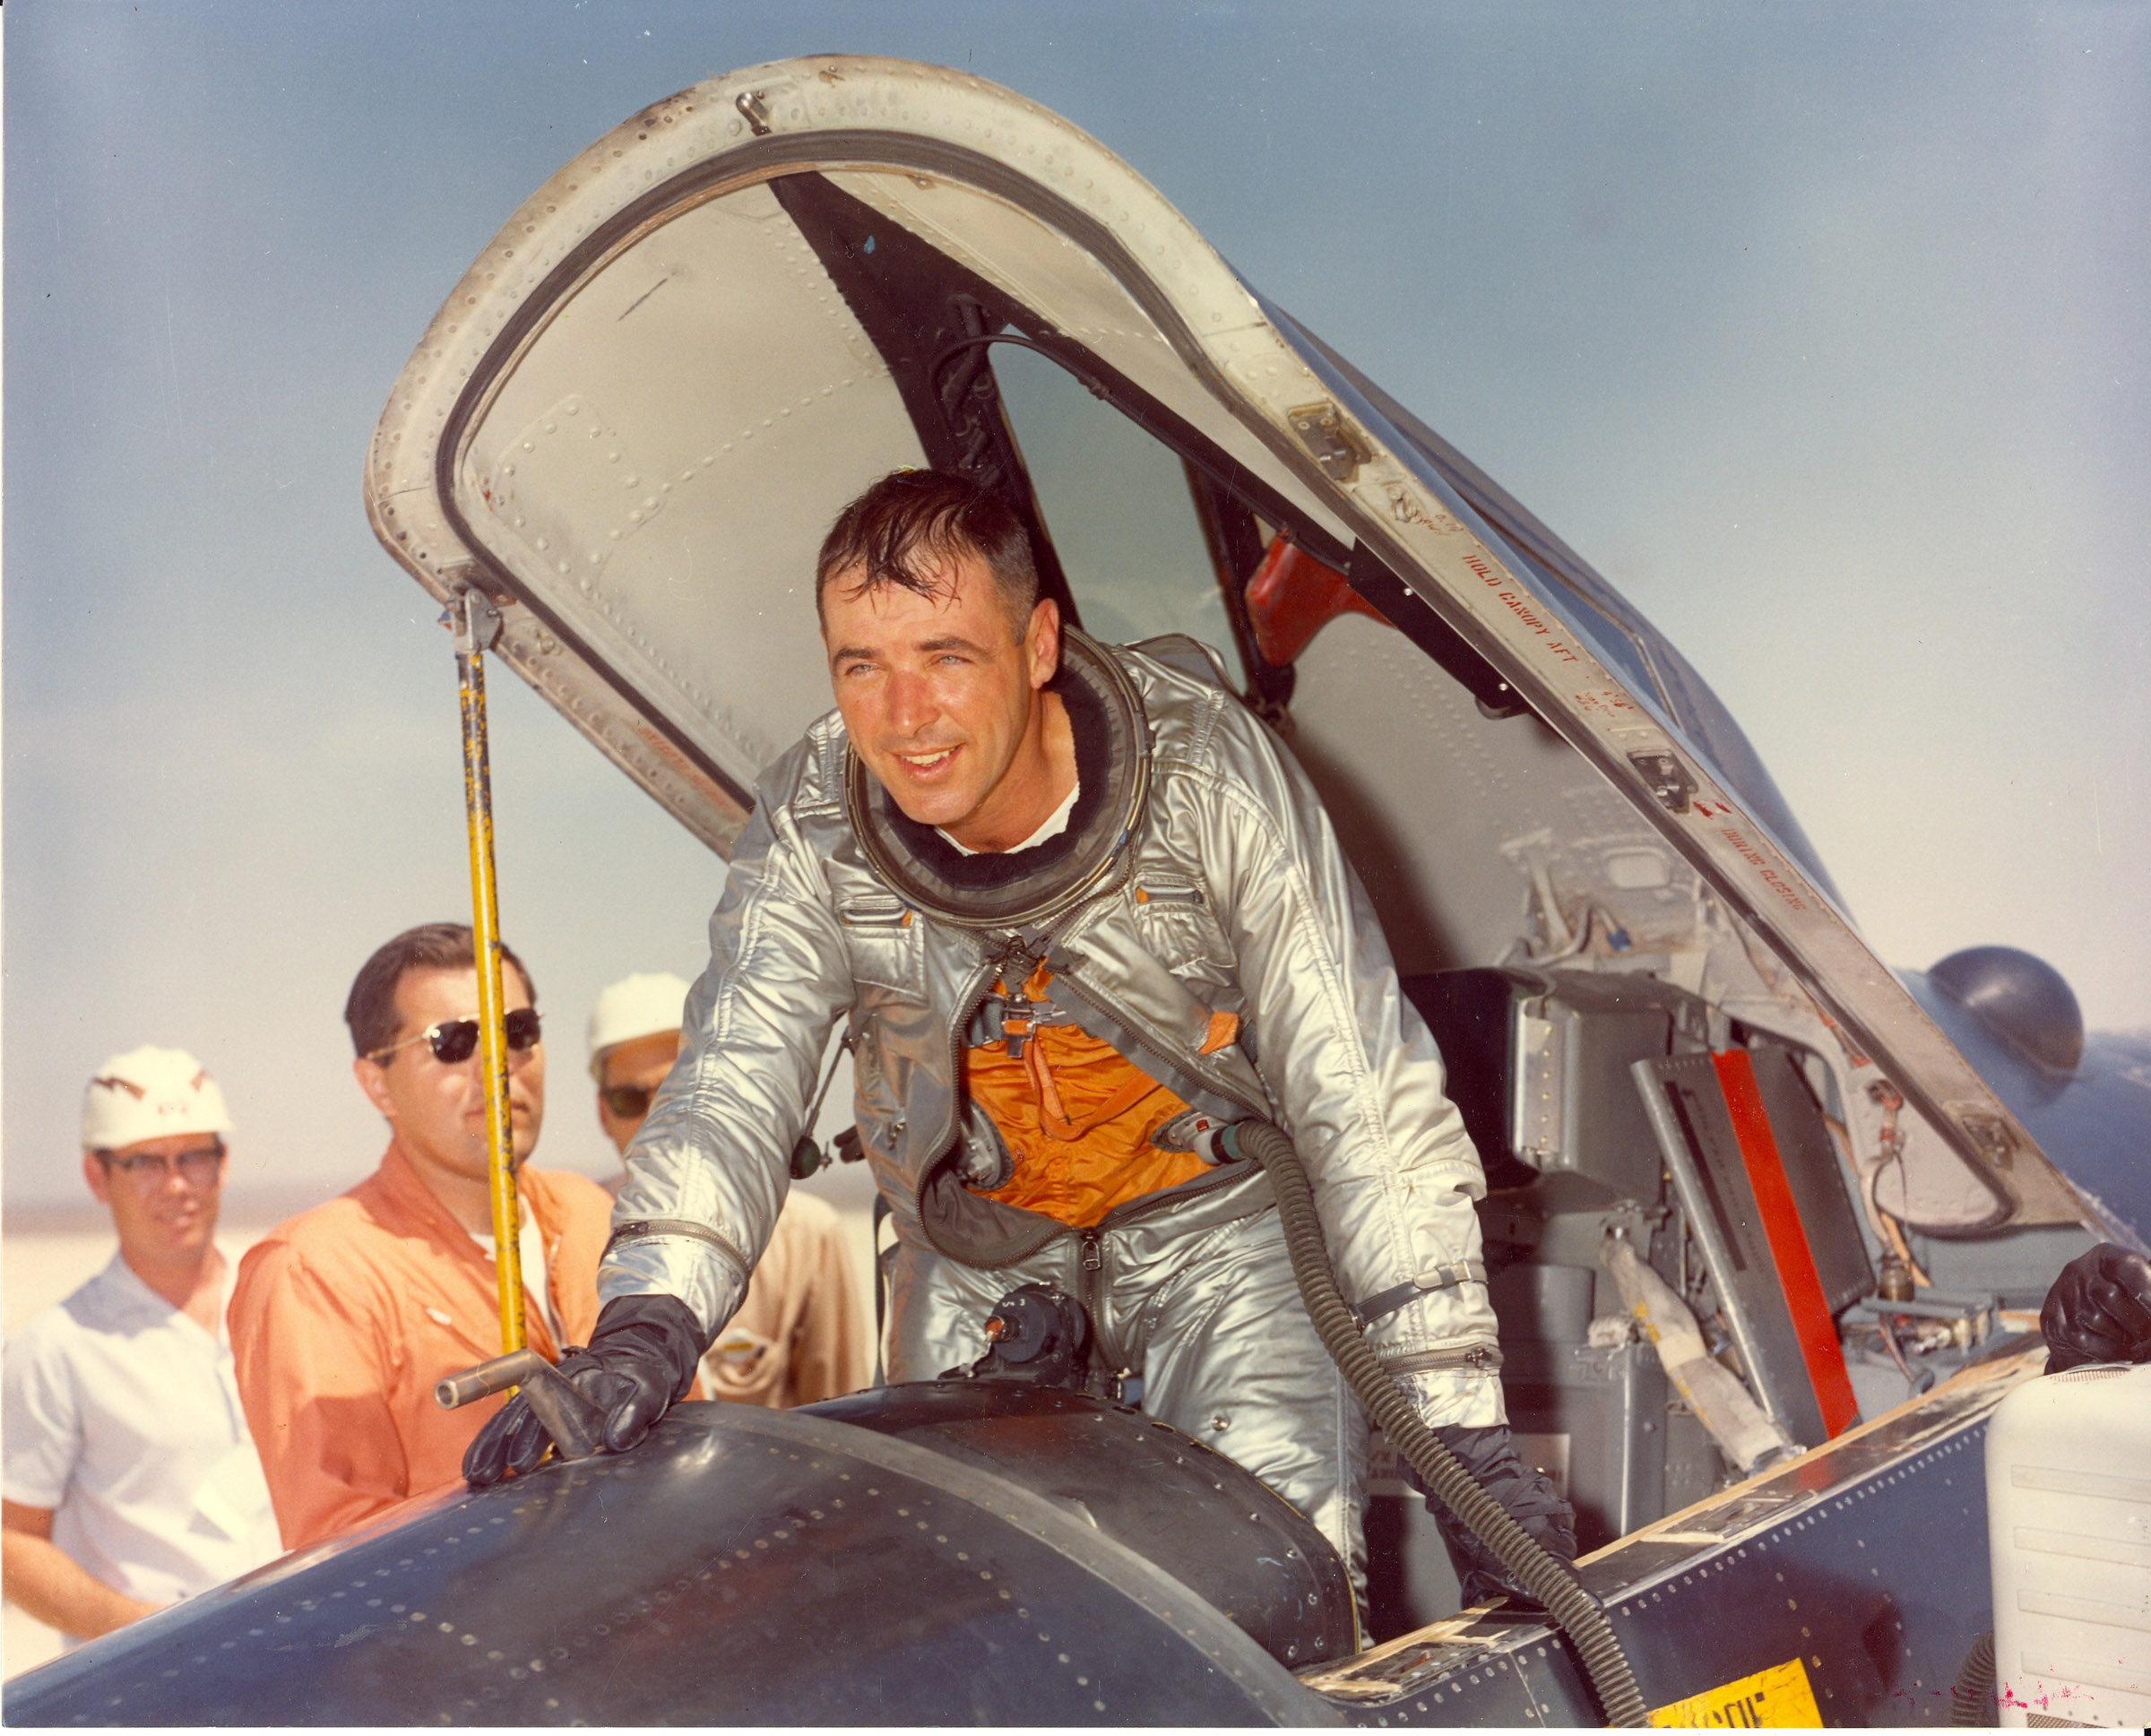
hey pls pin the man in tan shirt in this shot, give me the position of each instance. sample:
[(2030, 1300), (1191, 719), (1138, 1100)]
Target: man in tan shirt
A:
[(344, 1316), (800, 1335)]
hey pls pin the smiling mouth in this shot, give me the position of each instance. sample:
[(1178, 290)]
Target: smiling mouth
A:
[(923, 765)]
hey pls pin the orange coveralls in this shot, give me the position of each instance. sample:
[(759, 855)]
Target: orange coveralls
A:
[(344, 1316)]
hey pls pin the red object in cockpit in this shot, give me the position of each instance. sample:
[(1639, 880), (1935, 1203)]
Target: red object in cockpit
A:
[(1292, 596)]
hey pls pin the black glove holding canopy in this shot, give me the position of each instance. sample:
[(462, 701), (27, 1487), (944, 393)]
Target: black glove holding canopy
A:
[(641, 1360), (2099, 1310), (1527, 1495)]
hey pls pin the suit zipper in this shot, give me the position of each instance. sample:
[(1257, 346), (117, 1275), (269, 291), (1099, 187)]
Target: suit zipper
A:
[(1479, 1359), (1092, 1282)]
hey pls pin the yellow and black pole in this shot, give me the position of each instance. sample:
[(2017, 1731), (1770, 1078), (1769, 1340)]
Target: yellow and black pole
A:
[(476, 624)]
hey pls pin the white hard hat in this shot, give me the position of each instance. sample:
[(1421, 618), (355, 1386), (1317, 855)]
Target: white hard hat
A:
[(640, 1005), (148, 1093)]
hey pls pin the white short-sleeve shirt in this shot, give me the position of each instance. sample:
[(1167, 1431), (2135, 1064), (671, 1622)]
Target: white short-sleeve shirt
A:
[(122, 1416), (537, 1285)]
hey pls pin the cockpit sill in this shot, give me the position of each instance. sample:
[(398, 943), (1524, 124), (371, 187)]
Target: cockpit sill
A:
[(1455, 1671)]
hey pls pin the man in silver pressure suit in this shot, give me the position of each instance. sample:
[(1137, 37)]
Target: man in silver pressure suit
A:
[(1081, 909)]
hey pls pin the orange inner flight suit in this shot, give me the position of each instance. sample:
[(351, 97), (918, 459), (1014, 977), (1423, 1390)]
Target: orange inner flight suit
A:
[(1076, 1115)]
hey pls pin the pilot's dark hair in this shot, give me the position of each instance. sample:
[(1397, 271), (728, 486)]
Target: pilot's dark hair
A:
[(370, 1010), (902, 529)]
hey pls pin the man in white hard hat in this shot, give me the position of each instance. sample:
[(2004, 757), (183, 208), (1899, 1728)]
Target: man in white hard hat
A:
[(799, 1335), (130, 1479)]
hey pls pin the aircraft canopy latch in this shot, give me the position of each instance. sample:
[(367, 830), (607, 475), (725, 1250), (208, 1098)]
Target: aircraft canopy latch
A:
[(1992, 1136), (1322, 431), (1670, 780)]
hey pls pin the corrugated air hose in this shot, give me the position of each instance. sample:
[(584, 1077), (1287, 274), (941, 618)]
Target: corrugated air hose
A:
[(1971, 1695), (1543, 1575)]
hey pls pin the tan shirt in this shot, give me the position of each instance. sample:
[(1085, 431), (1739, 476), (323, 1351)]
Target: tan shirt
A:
[(799, 1335), (344, 1316)]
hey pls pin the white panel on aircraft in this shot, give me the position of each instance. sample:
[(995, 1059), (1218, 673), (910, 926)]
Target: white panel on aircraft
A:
[(662, 462)]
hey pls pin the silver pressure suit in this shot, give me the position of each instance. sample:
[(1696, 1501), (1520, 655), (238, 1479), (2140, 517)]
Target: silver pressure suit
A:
[(1217, 887)]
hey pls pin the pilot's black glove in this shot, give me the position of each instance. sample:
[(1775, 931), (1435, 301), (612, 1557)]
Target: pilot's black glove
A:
[(1527, 1495), (641, 1360), (2099, 1310)]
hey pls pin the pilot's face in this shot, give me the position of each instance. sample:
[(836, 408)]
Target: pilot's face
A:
[(939, 692), (438, 1109)]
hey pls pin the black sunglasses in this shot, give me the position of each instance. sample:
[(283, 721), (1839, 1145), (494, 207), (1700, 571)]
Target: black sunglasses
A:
[(628, 1102), (455, 1041)]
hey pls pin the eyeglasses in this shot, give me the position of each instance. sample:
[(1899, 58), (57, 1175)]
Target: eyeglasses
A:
[(627, 1103), (455, 1041), (154, 1168)]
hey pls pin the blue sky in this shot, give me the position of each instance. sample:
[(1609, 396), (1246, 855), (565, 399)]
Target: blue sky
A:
[(1821, 330)]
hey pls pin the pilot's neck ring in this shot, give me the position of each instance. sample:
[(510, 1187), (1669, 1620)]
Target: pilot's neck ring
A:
[(1029, 888)]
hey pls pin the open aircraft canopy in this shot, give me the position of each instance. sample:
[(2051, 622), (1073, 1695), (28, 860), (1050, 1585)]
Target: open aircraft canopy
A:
[(638, 413)]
